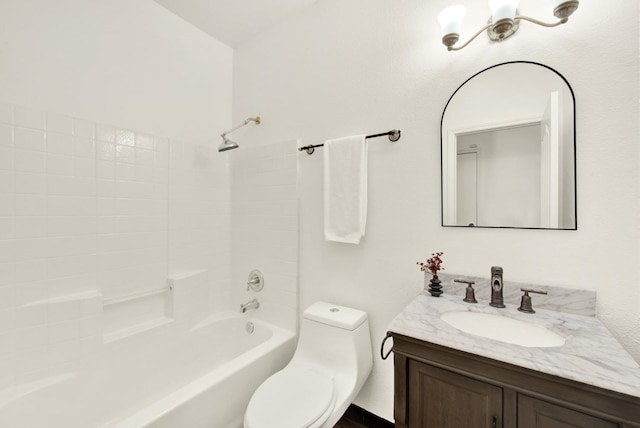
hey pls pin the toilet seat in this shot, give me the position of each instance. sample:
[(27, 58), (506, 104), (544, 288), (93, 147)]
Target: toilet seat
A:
[(292, 398)]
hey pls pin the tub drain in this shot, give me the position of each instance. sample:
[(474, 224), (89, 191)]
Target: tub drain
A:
[(249, 327)]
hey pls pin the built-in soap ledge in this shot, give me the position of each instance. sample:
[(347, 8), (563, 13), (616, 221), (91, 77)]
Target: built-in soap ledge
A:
[(184, 299), (135, 313), (139, 327), (560, 299)]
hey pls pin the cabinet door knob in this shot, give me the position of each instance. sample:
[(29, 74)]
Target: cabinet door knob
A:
[(494, 424)]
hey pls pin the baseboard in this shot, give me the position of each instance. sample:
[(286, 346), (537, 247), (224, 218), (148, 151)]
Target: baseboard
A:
[(368, 419)]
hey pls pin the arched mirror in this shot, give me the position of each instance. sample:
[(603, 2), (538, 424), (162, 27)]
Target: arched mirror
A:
[(508, 150)]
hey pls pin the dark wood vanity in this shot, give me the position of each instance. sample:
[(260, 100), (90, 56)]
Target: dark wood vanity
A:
[(440, 387)]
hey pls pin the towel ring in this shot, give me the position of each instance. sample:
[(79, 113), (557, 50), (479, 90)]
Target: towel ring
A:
[(382, 354)]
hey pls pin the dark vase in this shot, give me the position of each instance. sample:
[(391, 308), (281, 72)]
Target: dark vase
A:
[(435, 288)]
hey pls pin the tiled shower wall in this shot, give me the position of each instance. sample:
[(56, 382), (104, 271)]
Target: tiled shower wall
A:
[(264, 227), (91, 213), (199, 227)]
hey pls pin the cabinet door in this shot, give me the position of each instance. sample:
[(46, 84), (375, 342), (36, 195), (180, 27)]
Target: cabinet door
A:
[(534, 413), (442, 399)]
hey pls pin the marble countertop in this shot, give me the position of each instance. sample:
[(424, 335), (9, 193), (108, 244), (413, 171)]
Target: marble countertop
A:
[(590, 355)]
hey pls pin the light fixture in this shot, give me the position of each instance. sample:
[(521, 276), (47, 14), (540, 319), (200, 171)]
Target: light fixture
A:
[(503, 23)]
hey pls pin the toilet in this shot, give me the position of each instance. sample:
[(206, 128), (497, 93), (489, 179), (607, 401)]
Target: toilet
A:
[(331, 363)]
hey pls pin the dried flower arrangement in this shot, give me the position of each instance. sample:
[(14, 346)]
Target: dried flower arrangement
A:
[(433, 264)]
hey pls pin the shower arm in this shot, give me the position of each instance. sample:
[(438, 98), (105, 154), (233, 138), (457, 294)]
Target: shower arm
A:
[(256, 119)]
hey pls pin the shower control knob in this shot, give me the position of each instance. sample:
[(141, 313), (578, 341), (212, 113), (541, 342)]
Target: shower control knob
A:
[(255, 281)]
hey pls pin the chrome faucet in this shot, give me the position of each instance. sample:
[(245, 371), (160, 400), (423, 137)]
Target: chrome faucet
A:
[(252, 304), (496, 287)]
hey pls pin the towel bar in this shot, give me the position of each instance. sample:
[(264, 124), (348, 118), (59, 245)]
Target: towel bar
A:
[(394, 135)]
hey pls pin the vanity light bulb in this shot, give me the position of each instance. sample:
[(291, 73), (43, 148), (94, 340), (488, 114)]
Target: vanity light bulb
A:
[(450, 19), (564, 8), (557, 3), (503, 9)]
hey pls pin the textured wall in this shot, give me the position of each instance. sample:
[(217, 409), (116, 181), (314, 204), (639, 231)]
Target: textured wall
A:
[(341, 68)]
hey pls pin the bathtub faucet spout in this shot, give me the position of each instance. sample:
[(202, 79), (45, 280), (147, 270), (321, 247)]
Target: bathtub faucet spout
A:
[(252, 304)]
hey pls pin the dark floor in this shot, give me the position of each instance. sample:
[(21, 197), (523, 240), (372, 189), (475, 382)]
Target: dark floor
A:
[(348, 423), (356, 417)]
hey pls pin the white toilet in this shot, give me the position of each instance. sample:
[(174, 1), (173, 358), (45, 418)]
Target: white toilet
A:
[(331, 363)]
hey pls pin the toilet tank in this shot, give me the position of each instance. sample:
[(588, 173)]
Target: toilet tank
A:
[(335, 315), (336, 338)]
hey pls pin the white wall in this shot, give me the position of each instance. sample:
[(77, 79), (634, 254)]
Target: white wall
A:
[(128, 63), (341, 68)]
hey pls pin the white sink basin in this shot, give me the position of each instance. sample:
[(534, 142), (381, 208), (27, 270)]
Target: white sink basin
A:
[(504, 329)]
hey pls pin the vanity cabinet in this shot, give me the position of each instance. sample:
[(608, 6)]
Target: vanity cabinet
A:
[(439, 387), (445, 398), (534, 413)]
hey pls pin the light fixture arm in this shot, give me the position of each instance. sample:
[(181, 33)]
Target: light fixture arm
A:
[(457, 48), (517, 18), (544, 24)]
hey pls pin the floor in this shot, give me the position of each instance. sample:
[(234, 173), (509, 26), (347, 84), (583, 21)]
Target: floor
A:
[(356, 417), (348, 423)]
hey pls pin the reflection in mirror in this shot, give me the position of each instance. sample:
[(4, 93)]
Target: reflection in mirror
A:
[(508, 150)]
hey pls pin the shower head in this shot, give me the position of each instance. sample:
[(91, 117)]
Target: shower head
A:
[(227, 145)]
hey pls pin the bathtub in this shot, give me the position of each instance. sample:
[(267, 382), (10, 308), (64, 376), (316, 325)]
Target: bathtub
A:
[(171, 376)]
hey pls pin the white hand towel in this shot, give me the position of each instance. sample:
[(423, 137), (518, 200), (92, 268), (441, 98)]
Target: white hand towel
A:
[(345, 189)]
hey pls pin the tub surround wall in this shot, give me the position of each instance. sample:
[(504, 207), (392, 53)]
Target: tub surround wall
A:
[(88, 239), (385, 67), (264, 225), (85, 226), (131, 215), (104, 189), (199, 225)]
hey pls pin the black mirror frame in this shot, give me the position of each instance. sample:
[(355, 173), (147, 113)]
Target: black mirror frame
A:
[(575, 164)]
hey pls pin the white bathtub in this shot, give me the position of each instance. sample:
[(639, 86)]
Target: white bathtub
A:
[(171, 376)]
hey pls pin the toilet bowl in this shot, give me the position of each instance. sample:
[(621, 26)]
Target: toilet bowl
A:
[(331, 363)]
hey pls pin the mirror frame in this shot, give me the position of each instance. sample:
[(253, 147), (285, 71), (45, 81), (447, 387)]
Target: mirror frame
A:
[(575, 164)]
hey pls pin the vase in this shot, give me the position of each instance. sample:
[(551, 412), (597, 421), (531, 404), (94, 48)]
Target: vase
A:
[(435, 286)]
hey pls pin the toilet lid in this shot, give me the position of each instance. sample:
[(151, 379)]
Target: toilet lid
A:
[(291, 398)]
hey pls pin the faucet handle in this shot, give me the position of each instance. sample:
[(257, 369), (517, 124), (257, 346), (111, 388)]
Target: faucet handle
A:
[(530, 290), (255, 281), (525, 302), (470, 295)]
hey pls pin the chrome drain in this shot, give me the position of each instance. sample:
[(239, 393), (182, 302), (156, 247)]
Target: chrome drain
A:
[(249, 327)]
